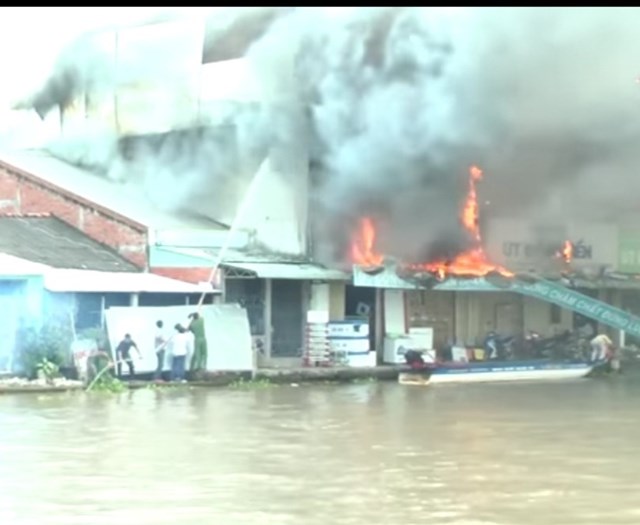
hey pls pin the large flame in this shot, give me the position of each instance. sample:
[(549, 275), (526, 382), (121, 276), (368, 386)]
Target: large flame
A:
[(363, 250), (472, 262)]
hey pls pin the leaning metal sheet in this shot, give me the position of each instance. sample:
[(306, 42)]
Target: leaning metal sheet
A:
[(226, 328)]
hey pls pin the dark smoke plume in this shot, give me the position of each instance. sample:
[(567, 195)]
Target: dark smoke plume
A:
[(398, 103)]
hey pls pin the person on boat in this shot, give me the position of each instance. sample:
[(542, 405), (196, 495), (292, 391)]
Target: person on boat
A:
[(414, 359), (601, 348), (492, 345)]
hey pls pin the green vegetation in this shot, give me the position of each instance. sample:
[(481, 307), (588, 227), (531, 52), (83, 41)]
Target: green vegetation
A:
[(101, 375), (50, 342), (108, 383), (251, 384), (48, 370)]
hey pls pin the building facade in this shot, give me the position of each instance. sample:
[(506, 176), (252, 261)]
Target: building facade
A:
[(603, 264)]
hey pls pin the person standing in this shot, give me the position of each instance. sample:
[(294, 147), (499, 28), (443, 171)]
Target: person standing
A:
[(181, 347), (160, 345), (601, 348), (123, 353), (196, 326)]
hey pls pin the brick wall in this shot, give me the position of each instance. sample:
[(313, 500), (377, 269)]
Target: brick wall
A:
[(24, 193)]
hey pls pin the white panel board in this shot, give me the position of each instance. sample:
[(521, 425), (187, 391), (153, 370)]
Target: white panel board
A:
[(226, 328)]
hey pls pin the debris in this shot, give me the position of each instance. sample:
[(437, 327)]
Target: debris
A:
[(20, 382)]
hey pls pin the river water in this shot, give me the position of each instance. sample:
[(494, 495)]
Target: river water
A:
[(361, 454)]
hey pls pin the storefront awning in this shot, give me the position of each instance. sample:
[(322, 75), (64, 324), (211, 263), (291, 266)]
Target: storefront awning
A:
[(304, 272)]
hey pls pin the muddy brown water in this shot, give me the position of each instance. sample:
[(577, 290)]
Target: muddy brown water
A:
[(361, 454)]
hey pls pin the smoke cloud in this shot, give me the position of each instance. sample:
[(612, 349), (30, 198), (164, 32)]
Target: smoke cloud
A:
[(395, 105)]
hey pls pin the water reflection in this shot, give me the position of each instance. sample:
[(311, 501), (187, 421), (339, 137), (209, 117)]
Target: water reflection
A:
[(358, 454)]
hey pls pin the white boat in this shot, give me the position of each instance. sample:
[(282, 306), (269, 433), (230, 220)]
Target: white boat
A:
[(498, 371)]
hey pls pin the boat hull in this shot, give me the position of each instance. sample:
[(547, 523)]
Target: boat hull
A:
[(497, 372)]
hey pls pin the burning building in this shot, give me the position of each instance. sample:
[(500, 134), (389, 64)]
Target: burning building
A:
[(363, 132), (440, 294)]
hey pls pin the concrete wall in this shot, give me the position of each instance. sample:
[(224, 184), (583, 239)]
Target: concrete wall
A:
[(394, 312), (537, 317), (337, 300), (329, 297)]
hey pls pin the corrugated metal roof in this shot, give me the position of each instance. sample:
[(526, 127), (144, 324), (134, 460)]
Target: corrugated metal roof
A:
[(266, 265), (306, 272), (52, 242)]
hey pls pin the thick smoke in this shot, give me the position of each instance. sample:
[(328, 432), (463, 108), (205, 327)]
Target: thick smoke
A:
[(191, 166), (392, 139), (400, 102), (541, 99)]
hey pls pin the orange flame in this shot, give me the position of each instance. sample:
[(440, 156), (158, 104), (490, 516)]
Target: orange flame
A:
[(470, 213), (363, 251), (472, 262), (567, 251)]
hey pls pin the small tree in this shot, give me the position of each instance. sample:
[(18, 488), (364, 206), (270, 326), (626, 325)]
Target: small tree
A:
[(50, 342)]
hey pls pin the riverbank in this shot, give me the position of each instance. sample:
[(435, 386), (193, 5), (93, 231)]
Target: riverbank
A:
[(16, 385), (265, 376), (283, 376), (225, 379)]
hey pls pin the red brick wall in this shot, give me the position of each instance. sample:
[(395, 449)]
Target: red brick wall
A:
[(20, 193)]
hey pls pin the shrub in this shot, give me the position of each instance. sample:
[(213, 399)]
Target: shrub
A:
[(52, 341)]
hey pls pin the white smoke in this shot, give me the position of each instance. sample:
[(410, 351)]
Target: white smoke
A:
[(401, 102)]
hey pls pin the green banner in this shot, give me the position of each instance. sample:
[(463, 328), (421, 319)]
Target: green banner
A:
[(583, 304), (629, 251), (540, 289)]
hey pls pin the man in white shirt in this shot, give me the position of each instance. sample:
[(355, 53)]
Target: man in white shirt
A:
[(160, 342), (182, 346), (601, 348)]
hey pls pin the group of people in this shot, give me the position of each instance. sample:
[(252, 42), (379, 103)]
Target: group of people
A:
[(184, 341)]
